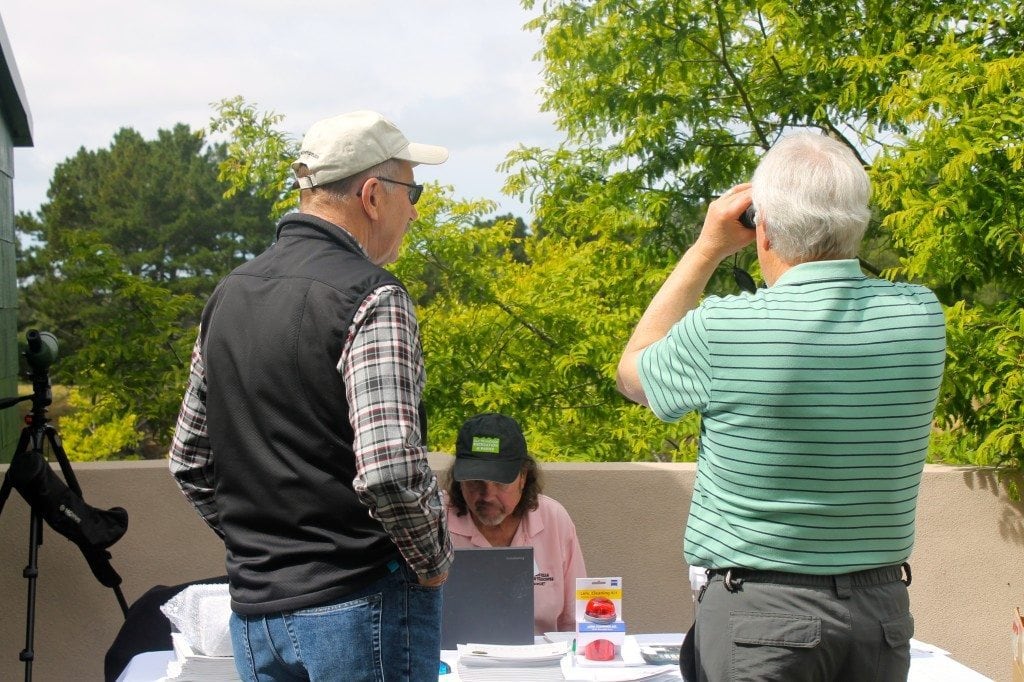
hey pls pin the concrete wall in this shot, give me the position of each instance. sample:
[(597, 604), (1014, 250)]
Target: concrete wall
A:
[(967, 561)]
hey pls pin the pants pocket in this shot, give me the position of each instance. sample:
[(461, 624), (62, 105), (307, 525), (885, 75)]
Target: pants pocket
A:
[(898, 631), (340, 641), (772, 646), (894, 656)]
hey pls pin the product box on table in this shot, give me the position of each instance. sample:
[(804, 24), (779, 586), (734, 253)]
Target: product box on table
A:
[(599, 617)]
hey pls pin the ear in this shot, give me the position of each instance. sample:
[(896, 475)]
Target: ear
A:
[(764, 244), (370, 196)]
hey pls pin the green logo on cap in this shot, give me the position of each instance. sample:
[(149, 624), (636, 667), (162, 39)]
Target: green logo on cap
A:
[(486, 444)]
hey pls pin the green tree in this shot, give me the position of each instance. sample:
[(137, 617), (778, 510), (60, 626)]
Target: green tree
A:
[(953, 199), (157, 203), (258, 154), (117, 264), (537, 337), (131, 365), (665, 104)]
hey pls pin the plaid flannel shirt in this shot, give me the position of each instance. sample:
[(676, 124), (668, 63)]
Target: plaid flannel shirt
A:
[(382, 367)]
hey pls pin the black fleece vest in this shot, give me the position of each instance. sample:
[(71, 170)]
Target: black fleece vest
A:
[(273, 331)]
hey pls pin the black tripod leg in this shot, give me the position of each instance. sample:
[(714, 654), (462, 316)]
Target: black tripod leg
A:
[(35, 538), (57, 447), (5, 490), (31, 572), (121, 600)]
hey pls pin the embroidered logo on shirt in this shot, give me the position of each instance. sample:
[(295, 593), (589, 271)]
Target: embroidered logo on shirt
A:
[(486, 444), (540, 579)]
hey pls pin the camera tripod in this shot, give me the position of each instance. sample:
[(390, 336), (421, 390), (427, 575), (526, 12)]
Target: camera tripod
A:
[(37, 434)]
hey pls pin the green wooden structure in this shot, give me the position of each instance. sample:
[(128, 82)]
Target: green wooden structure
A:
[(15, 131)]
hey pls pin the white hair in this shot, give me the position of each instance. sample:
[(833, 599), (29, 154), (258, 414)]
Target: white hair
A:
[(812, 194)]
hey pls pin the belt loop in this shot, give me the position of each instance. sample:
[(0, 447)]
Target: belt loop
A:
[(910, 576), (731, 584), (842, 585)]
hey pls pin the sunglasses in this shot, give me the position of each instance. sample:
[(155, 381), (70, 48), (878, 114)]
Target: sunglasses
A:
[(414, 190)]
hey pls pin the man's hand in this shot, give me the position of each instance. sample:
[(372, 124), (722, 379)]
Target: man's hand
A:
[(436, 581), (723, 234)]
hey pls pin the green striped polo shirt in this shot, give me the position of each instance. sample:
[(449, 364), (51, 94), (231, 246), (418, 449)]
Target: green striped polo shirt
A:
[(816, 398)]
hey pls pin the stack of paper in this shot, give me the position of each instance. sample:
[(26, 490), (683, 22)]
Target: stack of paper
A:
[(189, 666), (527, 663)]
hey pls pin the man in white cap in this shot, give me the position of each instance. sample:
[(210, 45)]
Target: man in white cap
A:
[(301, 437)]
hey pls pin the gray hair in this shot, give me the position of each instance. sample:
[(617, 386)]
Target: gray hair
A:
[(339, 190), (812, 194)]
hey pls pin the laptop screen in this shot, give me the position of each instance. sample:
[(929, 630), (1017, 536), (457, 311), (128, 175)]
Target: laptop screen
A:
[(488, 597)]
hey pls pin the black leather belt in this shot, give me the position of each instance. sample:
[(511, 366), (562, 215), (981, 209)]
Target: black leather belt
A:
[(733, 578)]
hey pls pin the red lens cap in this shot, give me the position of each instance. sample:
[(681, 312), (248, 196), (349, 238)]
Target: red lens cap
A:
[(599, 650)]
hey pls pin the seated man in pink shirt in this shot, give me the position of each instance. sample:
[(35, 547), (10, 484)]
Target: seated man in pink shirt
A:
[(494, 500)]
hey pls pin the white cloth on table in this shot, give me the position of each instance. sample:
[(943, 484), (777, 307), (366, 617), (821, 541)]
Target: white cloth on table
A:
[(201, 613)]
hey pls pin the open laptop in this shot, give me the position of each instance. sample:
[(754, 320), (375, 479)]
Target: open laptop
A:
[(488, 598)]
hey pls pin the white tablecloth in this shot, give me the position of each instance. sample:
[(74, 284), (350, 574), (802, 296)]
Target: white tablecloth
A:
[(927, 664)]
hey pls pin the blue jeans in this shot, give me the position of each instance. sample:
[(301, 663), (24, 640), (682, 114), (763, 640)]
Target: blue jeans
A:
[(389, 631)]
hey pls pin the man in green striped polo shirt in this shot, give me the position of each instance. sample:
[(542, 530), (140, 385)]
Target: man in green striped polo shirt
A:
[(816, 397)]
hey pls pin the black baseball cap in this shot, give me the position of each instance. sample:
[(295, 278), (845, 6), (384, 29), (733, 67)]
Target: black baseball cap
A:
[(490, 447)]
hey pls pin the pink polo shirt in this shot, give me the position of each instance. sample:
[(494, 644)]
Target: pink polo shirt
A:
[(557, 560)]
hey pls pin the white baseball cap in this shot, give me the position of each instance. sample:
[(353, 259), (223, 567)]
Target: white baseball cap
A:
[(339, 147)]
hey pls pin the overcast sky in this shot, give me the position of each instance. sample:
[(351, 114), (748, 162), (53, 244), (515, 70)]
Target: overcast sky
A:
[(459, 73)]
